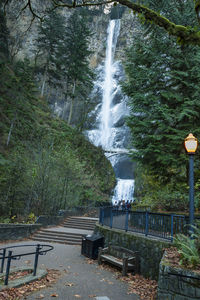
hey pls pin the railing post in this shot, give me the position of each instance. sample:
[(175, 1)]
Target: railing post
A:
[(172, 227), (102, 217), (126, 221), (36, 259), (111, 218), (146, 223), (3, 260), (8, 267)]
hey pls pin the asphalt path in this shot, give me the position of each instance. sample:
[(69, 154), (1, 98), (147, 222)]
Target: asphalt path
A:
[(80, 278)]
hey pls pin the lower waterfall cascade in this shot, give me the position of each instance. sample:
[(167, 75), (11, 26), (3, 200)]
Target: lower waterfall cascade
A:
[(110, 131)]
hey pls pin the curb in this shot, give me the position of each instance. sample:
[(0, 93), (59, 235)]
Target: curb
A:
[(21, 281)]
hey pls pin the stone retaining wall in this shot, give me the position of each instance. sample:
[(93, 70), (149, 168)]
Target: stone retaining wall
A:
[(17, 231), (150, 249), (177, 283), (49, 220)]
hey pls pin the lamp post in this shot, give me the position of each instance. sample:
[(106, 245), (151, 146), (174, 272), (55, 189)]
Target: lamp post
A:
[(191, 144)]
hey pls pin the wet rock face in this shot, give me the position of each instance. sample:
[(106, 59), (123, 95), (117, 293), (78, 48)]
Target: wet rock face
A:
[(23, 45), (124, 168)]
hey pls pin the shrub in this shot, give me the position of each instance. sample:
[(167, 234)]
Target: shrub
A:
[(189, 248)]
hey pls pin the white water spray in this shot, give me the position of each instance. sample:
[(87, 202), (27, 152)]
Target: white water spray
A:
[(107, 135), (124, 190)]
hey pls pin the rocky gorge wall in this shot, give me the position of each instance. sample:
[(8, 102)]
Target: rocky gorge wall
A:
[(23, 31)]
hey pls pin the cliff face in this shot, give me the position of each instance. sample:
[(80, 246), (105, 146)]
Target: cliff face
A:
[(23, 31)]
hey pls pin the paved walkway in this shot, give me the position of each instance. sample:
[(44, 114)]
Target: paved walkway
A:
[(89, 281)]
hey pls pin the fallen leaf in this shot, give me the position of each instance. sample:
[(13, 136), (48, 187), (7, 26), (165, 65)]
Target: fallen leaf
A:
[(77, 296), (54, 295), (41, 296), (27, 262), (69, 284)]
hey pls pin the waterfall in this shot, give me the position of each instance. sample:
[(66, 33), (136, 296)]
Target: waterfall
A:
[(111, 132), (106, 120)]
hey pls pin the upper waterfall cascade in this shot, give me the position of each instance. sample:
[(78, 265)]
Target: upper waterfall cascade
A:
[(110, 130)]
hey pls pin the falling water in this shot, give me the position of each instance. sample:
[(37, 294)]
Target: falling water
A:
[(108, 133), (106, 120)]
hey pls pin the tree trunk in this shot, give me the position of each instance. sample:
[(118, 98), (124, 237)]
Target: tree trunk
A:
[(11, 128)]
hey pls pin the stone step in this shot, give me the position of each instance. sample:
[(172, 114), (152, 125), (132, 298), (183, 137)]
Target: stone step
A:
[(52, 240), (65, 236), (79, 221), (59, 236), (82, 220), (58, 233), (78, 226)]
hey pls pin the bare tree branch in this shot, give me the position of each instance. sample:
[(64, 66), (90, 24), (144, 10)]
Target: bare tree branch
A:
[(81, 4), (185, 35), (32, 11)]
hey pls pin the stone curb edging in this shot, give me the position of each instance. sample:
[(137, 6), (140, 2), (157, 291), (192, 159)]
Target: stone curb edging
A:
[(21, 281), (177, 283)]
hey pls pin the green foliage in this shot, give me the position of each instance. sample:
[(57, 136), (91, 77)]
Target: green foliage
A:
[(150, 191), (51, 34), (45, 164), (77, 71), (31, 218), (162, 83), (3, 36), (62, 56), (189, 248)]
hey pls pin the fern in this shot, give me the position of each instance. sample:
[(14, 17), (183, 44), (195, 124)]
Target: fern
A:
[(189, 248)]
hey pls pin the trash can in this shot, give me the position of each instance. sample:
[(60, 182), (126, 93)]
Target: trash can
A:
[(90, 245)]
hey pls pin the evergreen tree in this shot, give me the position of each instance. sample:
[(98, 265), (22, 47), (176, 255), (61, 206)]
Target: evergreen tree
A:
[(79, 75), (50, 39), (164, 97), (4, 35)]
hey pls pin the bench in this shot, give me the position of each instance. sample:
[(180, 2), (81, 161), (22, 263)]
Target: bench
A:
[(120, 257)]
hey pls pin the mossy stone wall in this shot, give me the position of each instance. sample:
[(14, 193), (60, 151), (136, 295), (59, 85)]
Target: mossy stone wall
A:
[(150, 249), (17, 231), (177, 283)]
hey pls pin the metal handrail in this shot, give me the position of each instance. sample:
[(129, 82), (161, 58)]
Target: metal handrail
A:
[(148, 223), (38, 251)]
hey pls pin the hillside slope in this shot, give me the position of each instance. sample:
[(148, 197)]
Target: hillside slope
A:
[(45, 165)]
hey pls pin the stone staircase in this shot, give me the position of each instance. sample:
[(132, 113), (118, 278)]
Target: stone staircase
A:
[(80, 223), (69, 232)]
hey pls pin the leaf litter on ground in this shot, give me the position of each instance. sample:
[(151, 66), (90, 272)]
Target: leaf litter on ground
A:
[(137, 284), (20, 292)]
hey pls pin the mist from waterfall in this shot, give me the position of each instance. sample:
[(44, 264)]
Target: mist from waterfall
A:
[(111, 131)]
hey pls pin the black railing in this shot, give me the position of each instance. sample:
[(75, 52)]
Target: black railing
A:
[(150, 224), (4, 254)]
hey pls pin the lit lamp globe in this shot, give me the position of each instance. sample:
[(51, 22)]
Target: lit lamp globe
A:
[(191, 144)]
